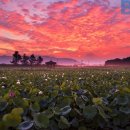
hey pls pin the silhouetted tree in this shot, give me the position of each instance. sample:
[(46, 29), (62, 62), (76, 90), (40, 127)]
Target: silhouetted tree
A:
[(32, 59), (39, 60), (117, 61), (25, 59), (16, 58)]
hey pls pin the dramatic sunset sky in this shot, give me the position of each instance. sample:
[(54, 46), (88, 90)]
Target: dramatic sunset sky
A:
[(89, 30)]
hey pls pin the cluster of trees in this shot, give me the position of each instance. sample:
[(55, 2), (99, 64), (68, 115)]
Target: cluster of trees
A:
[(117, 61), (26, 60)]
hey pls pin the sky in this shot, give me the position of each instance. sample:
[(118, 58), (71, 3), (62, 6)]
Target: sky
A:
[(88, 30)]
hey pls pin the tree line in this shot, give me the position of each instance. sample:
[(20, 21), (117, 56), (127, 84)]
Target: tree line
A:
[(26, 60), (117, 61)]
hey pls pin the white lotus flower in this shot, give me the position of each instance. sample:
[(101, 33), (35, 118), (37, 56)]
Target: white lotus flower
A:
[(4, 77), (40, 93), (3, 87), (18, 82), (116, 90)]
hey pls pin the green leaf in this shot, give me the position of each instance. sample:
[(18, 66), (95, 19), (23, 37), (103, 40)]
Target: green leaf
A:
[(65, 110), (41, 120), (80, 102), (63, 85), (20, 102), (85, 98), (53, 125), (26, 125), (75, 122), (35, 107), (56, 110), (55, 93), (65, 101), (77, 111), (12, 120), (49, 113), (3, 105), (126, 89), (18, 111), (125, 110), (25, 103), (63, 123), (3, 126), (97, 101), (102, 113), (82, 128), (64, 120), (89, 112), (122, 100)]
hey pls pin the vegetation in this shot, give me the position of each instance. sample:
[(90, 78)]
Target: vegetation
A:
[(25, 60), (56, 99), (117, 61)]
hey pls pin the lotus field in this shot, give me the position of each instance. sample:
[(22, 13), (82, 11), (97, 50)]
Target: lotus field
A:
[(65, 98)]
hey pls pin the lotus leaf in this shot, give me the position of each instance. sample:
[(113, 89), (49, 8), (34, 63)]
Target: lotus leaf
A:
[(63, 123), (41, 120), (89, 112), (26, 125)]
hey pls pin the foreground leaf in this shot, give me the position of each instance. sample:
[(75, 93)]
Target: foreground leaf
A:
[(41, 120), (89, 112), (63, 123), (26, 125)]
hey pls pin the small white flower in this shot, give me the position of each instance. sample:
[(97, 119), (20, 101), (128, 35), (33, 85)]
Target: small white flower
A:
[(3, 87), (116, 90), (4, 77), (40, 93), (18, 82)]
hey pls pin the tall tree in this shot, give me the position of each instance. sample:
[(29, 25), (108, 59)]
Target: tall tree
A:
[(25, 59), (39, 60), (16, 58), (32, 59)]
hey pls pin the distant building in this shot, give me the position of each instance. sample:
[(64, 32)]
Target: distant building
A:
[(50, 63)]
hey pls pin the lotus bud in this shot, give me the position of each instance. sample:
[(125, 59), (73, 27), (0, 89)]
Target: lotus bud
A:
[(11, 94)]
